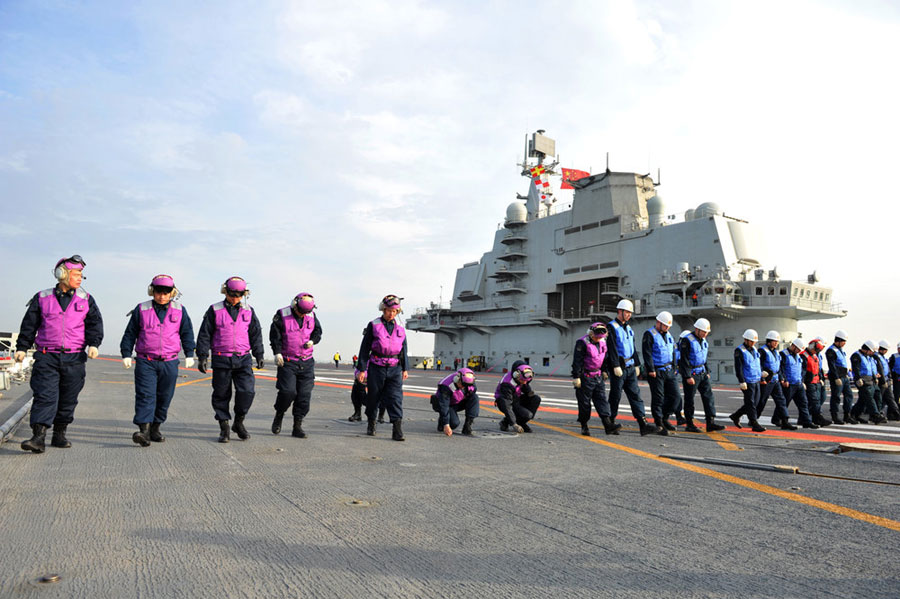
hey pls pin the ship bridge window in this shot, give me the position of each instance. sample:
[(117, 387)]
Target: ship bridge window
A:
[(546, 361), (771, 291), (807, 294), (729, 341), (827, 296), (587, 227), (758, 291), (782, 291), (717, 342)]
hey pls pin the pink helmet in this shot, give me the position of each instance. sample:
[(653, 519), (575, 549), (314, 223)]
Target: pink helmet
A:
[(465, 376), (523, 374), (163, 281), (598, 329), (390, 301), (303, 303), (64, 265), (234, 284)]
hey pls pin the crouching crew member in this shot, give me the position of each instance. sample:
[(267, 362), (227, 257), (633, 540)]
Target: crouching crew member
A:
[(894, 367), (625, 367), (588, 379), (839, 379), (695, 376), (230, 331), (791, 375), (864, 372), (456, 393), (516, 399), (658, 348), (383, 366), (294, 331), (749, 372), (812, 378), (60, 322), (886, 402), (157, 330)]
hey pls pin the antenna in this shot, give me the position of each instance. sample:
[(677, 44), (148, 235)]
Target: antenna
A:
[(607, 163)]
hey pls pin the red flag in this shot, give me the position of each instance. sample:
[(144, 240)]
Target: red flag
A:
[(572, 174)]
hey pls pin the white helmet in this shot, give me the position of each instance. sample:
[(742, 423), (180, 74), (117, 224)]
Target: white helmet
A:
[(664, 318), (798, 343), (884, 344), (773, 336), (686, 333), (840, 335), (625, 305), (869, 344), (750, 335), (702, 325)]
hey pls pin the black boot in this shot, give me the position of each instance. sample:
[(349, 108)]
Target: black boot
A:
[(835, 419), (679, 419), (36, 442), (712, 427), (821, 420), (849, 419), (59, 436), (736, 419), (276, 422), (787, 426), (397, 435), (756, 427), (690, 427), (610, 427), (370, 429), (155, 435), (238, 427), (645, 427), (660, 429), (668, 425), (585, 429), (142, 435), (522, 427), (381, 412), (356, 416), (298, 429), (224, 435), (467, 426)]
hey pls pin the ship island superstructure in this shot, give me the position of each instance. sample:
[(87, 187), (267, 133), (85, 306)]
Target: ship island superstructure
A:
[(551, 272)]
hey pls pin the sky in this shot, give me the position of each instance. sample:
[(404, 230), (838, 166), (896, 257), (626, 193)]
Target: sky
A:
[(356, 149)]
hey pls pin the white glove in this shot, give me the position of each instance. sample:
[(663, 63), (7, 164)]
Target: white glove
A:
[(838, 382), (743, 386), (765, 374), (617, 371), (576, 383), (126, 362), (279, 359), (637, 371), (93, 352), (859, 383), (189, 362), (20, 356), (308, 344)]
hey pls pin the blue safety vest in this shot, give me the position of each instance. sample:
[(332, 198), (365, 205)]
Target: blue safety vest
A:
[(884, 364), (663, 348), (793, 366), (699, 351), (624, 341), (896, 368), (752, 371), (771, 361), (866, 365), (840, 356)]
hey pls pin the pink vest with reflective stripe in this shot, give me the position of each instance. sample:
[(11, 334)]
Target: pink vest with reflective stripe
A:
[(594, 356), (386, 348), (508, 380), (296, 335), (458, 394), (159, 339), (62, 330), (231, 336)]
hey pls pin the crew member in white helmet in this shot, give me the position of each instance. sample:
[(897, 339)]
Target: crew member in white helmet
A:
[(658, 349), (838, 378), (625, 366), (748, 369), (695, 376)]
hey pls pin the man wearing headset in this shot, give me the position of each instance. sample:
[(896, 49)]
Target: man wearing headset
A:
[(516, 399), (588, 379), (158, 330), (294, 331), (455, 393), (230, 330), (65, 325)]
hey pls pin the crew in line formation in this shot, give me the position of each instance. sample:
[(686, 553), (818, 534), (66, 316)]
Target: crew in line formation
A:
[(64, 324)]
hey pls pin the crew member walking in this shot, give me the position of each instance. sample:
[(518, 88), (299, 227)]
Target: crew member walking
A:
[(230, 331), (885, 398), (812, 378), (515, 398), (894, 367), (157, 330), (658, 349), (839, 379), (749, 372), (695, 376), (625, 366), (791, 375), (770, 362), (864, 372), (588, 379), (337, 359), (294, 331), (455, 393), (60, 322)]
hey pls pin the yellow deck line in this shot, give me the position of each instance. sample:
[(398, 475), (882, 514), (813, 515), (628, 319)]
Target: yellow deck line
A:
[(186, 383), (723, 442)]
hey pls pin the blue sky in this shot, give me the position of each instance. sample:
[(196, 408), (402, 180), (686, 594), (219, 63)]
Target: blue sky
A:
[(353, 150)]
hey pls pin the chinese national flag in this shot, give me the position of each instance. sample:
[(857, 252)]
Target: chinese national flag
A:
[(572, 174)]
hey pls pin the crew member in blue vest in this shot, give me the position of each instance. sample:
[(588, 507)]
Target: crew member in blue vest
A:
[(839, 379), (749, 372), (455, 393), (791, 375), (625, 367), (383, 366), (894, 368), (695, 376), (65, 326), (588, 374), (658, 349), (865, 371), (679, 408), (770, 362), (230, 331), (812, 379), (515, 398), (157, 330), (886, 401), (294, 331)]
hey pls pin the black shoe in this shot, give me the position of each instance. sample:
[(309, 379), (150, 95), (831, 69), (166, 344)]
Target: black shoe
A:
[(690, 427), (381, 416), (397, 434), (610, 427), (787, 426), (585, 430), (224, 435), (876, 419), (522, 427), (239, 428), (276, 422), (668, 425), (776, 420), (370, 428), (821, 421), (355, 417), (298, 429), (861, 420), (660, 429), (756, 427), (835, 419), (712, 427), (59, 437), (736, 419), (467, 426), (849, 419), (810, 425), (679, 419), (142, 435), (36, 443), (645, 427), (155, 435)]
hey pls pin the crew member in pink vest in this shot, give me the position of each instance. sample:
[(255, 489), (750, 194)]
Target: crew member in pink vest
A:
[(294, 331), (588, 378), (516, 399), (456, 393), (230, 332), (157, 331), (65, 326), (382, 365)]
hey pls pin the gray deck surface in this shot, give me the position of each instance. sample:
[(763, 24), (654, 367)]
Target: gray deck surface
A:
[(494, 515)]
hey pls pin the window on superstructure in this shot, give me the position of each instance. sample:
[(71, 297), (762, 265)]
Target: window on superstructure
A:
[(546, 361), (758, 291), (771, 291), (782, 291)]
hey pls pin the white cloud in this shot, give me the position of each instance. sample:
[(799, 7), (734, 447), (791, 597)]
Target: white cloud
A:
[(16, 162)]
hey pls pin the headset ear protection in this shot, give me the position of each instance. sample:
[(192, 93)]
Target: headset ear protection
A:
[(224, 289), (61, 272)]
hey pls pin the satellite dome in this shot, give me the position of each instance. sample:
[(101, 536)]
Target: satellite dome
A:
[(516, 213), (707, 209), (688, 214), (655, 205)]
